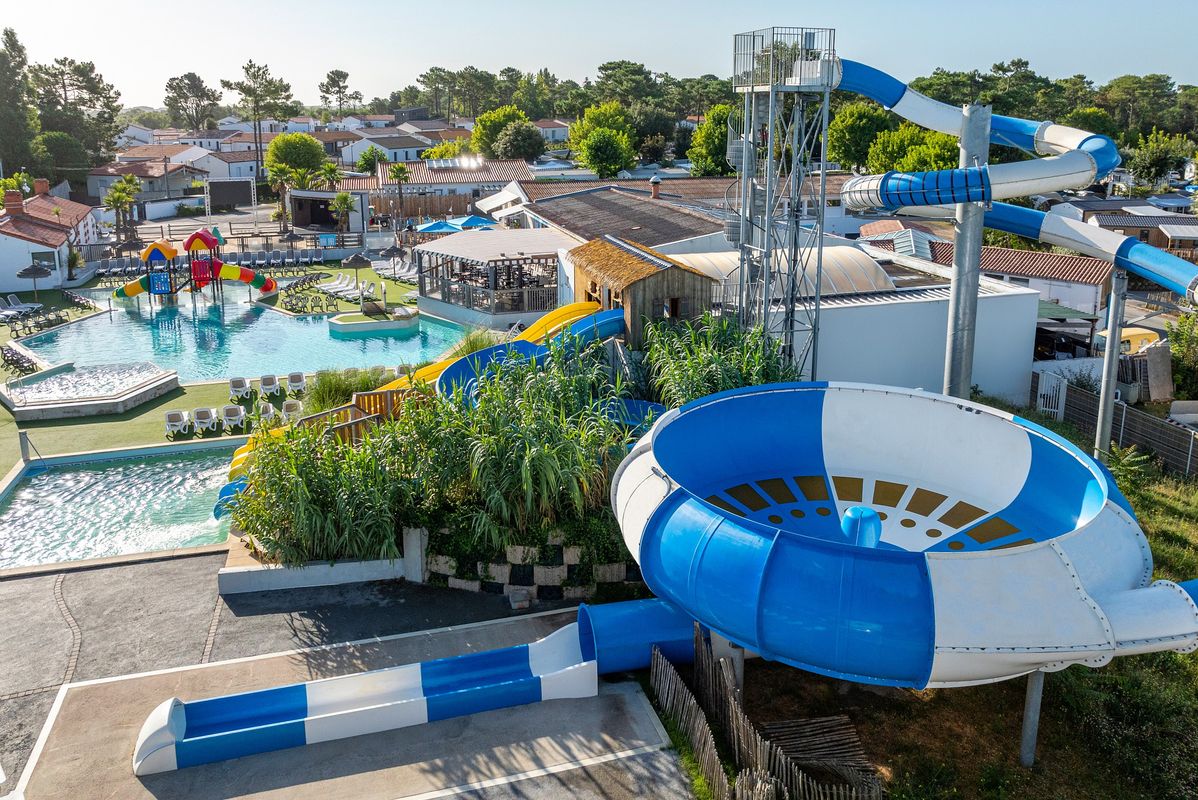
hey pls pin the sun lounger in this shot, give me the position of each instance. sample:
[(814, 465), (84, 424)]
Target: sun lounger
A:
[(267, 412), (238, 388), (232, 416), (292, 410), (305, 257), (204, 419), (296, 382), (269, 384), (177, 422), (14, 302)]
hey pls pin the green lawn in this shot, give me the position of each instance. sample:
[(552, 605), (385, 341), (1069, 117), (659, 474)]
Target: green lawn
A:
[(395, 291), (142, 425)]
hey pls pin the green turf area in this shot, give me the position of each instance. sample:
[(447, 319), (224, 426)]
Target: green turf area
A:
[(395, 291)]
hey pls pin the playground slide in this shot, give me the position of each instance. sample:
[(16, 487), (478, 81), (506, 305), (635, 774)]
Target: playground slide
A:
[(962, 546), (1075, 159), (229, 272), (564, 664)]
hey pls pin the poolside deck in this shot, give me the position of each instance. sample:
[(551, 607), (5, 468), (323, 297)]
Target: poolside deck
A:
[(162, 625)]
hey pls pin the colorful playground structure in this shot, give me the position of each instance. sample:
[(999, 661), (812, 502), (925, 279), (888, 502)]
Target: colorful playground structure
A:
[(204, 267), (879, 535)]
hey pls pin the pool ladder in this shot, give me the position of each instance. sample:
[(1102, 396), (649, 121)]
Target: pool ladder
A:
[(27, 445)]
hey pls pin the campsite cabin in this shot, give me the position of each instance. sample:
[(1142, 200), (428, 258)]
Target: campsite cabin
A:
[(617, 273)]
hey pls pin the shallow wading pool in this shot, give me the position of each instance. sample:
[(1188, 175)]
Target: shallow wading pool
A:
[(115, 507)]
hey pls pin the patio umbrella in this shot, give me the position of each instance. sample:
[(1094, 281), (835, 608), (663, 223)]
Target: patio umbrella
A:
[(470, 221), (291, 237), (34, 271), (440, 226), (357, 261), (393, 252)]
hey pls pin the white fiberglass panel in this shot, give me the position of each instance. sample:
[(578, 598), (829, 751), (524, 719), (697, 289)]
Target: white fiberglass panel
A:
[(929, 113)]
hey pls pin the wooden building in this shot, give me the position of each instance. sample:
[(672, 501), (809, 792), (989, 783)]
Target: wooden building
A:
[(649, 286)]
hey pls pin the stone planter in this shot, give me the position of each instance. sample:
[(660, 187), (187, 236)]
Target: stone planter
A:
[(610, 573), (548, 576), (571, 555), (531, 591), (578, 592), (442, 564), (555, 537), (461, 583), (499, 573), (519, 554)]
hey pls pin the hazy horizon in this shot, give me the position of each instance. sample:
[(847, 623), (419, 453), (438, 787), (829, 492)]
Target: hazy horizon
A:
[(383, 51)]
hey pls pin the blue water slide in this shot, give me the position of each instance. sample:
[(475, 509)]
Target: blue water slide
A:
[(227, 498), (1073, 159)]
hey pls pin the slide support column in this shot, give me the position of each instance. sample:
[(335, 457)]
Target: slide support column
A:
[(1031, 718), (1110, 364), (967, 256)]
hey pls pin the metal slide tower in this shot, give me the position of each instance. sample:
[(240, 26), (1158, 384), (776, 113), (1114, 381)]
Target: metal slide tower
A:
[(776, 145)]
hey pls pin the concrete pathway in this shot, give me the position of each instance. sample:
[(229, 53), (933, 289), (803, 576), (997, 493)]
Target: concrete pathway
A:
[(165, 618)]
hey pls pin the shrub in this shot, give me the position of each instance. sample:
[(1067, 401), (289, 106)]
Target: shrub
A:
[(692, 360), (332, 388)]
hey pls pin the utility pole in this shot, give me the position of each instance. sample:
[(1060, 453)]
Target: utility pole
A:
[(1110, 363), (967, 256)]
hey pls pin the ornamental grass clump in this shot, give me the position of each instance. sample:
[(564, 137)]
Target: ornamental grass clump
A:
[(333, 388), (313, 497), (710, 355)]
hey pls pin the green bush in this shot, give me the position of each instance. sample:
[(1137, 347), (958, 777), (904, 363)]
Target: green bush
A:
[(692, 360), (332, 388)]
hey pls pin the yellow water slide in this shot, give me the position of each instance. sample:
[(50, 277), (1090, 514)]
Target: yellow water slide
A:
[(538, 332), (547, 326)]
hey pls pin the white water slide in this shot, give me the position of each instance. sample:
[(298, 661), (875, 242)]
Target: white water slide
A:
[(1074, 159)]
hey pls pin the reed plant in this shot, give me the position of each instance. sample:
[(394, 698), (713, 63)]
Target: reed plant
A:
[(333, 388), (694, 359)]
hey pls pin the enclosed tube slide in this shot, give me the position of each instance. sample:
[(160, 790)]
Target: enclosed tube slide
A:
[(567, 663), (892, 537), (1074, 158)]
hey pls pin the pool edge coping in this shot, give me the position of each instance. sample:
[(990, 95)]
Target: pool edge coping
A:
[(21, 469)]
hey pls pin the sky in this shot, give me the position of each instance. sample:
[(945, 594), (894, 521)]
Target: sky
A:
[(385, 45)]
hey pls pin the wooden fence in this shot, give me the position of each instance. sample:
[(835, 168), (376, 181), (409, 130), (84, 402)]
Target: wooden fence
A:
[(1171, 442), (766, 771), (422, 205)]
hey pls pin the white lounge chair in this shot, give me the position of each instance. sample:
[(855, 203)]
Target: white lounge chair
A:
[(232, 416), (267, 412), (15, 303), (296, 382), (239, 388), (318, 256), (349, 291), (204, 419), (269, 384), (337, 283), (292, 410), (305, 257), (177, 422)]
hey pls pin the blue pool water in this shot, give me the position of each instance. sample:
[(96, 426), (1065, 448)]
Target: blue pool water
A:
[(108, 508), (209, 341)]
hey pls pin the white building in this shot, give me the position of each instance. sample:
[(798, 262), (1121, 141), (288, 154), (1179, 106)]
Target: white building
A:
[(158, 180), (367, 121), (134, 135), (553, 130), (301, 125), (471, 177), (396, 148), (240, 164), (40, 230), (244, 140), (209, 140)]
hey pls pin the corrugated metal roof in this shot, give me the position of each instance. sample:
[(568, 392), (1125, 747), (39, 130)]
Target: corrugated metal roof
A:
[(1135, 221), (483, 247), (422, 173), (592, 213), (1176, 232)]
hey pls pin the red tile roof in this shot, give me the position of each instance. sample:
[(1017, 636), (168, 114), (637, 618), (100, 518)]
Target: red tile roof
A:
[(551, 123), (422, 173), (70, 213), (678, 189), (447, 134), (233, 156), (248, 137), (149, 151), (142, 169), (1032, 264), (33, 230), (336, 136)]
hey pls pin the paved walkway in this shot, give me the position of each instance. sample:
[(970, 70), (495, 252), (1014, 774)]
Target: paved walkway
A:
[(82, 626)]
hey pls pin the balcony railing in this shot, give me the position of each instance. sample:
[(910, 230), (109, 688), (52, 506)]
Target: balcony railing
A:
[(490, 301)]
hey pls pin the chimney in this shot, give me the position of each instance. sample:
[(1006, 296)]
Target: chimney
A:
[(14, 202), (41, 186), (655, 187)]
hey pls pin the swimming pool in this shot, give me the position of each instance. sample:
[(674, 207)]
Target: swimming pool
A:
[(83, 382), (211, 340), (108, 508)]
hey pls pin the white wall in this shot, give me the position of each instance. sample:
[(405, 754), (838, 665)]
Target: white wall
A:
[(707, 243), (903, 343), (161, 209), (565, 278), (16, 254), (215, 167)]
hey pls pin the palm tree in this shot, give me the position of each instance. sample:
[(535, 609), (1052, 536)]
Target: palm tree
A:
[(399, 174), (279, 177), (120, 198), (341, 205), (304, 179), (329, 174)]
